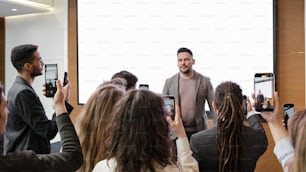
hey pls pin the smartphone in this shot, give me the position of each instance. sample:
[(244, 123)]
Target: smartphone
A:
[(169, 103), (144, 86), (245, 104), (65, 81), (264, 87), (288, 110), (51, 75)]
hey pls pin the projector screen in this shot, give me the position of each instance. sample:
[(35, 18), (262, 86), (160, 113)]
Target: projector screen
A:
[(230, 40)]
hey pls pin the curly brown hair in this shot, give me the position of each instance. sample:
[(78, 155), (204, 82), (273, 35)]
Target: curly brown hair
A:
[(138, 136)]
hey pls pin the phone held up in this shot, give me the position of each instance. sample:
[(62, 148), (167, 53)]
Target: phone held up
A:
[(288, 110), (51, 75), (264, 87), (65, 81), (169, 103)]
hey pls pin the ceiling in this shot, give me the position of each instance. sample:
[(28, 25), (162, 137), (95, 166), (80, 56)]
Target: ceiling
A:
[(24, 7)]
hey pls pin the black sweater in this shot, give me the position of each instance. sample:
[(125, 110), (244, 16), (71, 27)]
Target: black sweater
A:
[(70, 159)]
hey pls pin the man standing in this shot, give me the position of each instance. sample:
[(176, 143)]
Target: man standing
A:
[(191, 90), (28, 127)]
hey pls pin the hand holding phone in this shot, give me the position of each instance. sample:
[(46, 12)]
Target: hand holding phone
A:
[(169, 102), (51, 75), (264, 87), (65, 81), (288, 110)]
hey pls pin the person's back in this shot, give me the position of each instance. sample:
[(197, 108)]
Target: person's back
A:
[(138, 137), (207, 153), (230, 146), (92, 121)]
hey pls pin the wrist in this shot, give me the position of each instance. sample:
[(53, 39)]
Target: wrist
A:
[(250, 113), (59, 109)]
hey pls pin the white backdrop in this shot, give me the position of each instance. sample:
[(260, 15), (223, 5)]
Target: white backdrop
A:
[(230, 40)]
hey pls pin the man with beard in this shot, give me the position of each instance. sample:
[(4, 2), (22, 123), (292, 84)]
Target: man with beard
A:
[(28, 127), (191, 90)]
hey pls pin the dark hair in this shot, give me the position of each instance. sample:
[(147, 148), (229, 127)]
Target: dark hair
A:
[(92, 122), (22, 54), (130, 78), (228, 99), (184, 50), (138, 136)]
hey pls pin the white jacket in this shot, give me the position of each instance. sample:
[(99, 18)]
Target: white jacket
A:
[(186, 162)]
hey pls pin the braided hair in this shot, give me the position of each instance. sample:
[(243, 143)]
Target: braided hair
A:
[(228, 99)]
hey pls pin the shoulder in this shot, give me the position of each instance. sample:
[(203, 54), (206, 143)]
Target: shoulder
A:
[(203, 77), (204, 135), (254, 135), (173, 77), (105, 165)]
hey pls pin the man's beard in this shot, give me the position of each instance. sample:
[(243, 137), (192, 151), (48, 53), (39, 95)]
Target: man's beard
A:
[(35, 73), (188, 70)]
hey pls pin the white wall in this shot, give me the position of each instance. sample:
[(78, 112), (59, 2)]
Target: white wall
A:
[(49, 32)]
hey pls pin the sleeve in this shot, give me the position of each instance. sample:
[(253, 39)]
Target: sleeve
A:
[(32, 112), (70, 159), (210, 99), (166, 87), (284, 151), (185, 158), (255, 121), (194, 148)]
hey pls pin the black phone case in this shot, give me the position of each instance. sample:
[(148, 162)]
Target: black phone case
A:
[(286, 107)]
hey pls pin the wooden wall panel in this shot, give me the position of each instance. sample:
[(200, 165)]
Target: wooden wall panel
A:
[(290, 52), (72, 56)]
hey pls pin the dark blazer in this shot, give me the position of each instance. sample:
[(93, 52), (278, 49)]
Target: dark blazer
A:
[(203, 90), (204, 146), (70, 159), (28, 127)]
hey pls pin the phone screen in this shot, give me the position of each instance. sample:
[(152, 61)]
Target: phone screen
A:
[(288, 110), (169, 102), (264, 85), (51, 75)]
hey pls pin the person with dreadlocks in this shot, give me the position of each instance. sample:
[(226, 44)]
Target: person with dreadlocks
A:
[(231, 145)]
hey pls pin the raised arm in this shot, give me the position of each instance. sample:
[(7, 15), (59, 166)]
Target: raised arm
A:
[(184, 153), (283, 148)]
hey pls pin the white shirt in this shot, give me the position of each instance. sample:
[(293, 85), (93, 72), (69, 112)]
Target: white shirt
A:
[(284, 151), (186, 162)]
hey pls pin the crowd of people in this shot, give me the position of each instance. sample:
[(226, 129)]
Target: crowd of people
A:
[(121, 128)]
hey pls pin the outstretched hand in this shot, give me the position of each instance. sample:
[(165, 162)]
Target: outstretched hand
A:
[(59, 99), (271, 117)]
